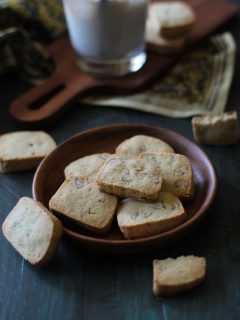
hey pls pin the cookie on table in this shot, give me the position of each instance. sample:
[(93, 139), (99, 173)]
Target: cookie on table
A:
[(216, 130), (157, 43), (87, 166), (138, 144), (176, 171), (176, 18), (138, 219), (33, 231), (127, 177), (81, 201), (172, 276), (24, 150)]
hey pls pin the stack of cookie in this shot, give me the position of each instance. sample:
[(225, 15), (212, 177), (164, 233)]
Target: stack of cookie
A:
[(142, 184), (168, 25)]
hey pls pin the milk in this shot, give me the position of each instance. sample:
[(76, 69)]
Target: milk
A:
[(108, 29)]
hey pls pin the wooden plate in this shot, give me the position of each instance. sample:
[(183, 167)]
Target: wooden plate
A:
[(49, 177)]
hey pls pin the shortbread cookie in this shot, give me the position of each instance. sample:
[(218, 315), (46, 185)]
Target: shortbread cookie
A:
[(138, 219), (87, 166), (171, 276), (81, 201), (24, 150), (136, 145), (216, 130), (176, 171), (176, 18), (33, 231), (155, 42), (134, 178)]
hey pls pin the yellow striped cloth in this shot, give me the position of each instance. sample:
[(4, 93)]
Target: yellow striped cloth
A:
[(22, 24), (47, 12)]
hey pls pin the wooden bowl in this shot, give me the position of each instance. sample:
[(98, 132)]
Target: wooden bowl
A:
[(49, 177)]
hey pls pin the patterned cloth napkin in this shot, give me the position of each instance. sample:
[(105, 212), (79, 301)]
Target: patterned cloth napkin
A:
[(198, 84), (25, 25)]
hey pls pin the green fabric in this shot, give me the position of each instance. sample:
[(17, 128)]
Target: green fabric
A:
[(24, 26)]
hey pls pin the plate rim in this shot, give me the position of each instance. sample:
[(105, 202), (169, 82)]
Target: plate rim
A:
[(177, 231)]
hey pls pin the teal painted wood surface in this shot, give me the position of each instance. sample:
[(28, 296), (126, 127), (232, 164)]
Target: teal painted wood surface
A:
[(79, 284)]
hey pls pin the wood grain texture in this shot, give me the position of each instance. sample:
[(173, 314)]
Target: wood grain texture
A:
[(81, 285)]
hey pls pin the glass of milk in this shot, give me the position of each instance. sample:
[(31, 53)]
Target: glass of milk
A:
[(108, 35)]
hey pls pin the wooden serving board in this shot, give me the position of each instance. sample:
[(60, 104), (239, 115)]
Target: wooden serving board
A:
[(68, 82)]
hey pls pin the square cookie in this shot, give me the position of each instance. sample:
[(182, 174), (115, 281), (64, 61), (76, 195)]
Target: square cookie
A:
[(33, 231), (172, 276), (157, 43), (216, 130), (135, 178), (138, 219), (176, 171), (138, 144), (87, 166), (176, 18), (24, 150), (81, 201)]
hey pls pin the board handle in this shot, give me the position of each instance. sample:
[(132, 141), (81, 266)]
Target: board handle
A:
[(47, 100)]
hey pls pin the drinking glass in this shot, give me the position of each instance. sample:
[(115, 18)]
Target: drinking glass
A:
[(108, 35)]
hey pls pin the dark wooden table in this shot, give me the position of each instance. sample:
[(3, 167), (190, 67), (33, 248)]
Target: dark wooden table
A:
[(78, 284)]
